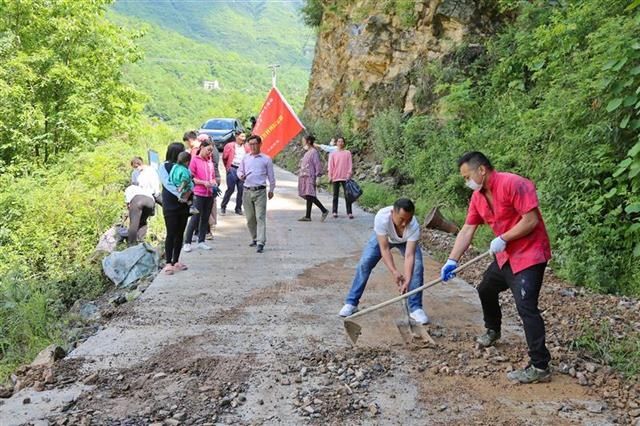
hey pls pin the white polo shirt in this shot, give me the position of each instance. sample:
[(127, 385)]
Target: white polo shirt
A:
[(383, 225)]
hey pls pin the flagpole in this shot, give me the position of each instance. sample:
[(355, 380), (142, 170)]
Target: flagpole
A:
[(273, 73)]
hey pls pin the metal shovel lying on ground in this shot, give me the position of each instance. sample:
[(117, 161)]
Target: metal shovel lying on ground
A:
[(354, 330)]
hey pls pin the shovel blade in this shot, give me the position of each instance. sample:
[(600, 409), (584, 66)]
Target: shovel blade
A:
[(405, 331), (353, 330)]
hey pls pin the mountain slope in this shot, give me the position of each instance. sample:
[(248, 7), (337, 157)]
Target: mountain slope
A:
[(186, 43), (265, 31)]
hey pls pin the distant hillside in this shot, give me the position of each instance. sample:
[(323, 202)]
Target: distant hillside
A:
[(266, 31), (187, 42)]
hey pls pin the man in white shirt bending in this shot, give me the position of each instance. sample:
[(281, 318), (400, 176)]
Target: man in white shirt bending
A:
[(394, 226)]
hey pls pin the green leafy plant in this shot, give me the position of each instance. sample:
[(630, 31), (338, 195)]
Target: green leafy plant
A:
[(602, 344), (552, 97), (51, 222), (312, 12), (61, 78), (623, 82)]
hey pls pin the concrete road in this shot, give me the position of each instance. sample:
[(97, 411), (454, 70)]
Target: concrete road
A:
[(252, 315)]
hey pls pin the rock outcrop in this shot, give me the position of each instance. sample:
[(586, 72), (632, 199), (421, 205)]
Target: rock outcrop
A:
[(367, 53)]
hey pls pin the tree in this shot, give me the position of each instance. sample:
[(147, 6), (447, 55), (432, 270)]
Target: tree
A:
[(312, 12), (61, 77)]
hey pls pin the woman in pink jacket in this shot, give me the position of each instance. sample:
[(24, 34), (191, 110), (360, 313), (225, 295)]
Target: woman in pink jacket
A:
[(340, 170), (203, 170)]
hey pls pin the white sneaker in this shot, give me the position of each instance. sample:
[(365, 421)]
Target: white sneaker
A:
[(348, 310), (186, 248), (419, 316), (203, 246)]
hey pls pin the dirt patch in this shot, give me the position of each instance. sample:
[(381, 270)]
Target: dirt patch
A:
[(567, 311), (334, 386), (175, 385)]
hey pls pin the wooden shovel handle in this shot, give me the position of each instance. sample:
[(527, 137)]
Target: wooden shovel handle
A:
[(419, 289)]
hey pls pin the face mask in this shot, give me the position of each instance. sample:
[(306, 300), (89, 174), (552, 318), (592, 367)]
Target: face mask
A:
[(473, 185)]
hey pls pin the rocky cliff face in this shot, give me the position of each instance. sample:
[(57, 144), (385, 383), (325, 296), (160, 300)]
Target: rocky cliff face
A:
[(367, 52)]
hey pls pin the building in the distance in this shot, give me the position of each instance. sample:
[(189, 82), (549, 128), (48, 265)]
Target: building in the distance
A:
[(211, 85)]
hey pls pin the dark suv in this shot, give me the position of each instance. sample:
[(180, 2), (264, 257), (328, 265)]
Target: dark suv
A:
[(221, 130)]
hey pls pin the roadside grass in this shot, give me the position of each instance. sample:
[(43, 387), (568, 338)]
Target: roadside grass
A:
[(376, 196), (602, 343), (52, 220)]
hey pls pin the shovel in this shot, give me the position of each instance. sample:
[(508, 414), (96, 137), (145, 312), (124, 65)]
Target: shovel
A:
[(416, 334), (354, 330)]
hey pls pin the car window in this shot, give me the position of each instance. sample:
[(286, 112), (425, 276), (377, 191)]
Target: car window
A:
[(218, 124)]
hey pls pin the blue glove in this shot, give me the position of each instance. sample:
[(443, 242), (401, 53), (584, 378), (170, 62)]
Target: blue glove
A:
[(446, 273), (497, 245)]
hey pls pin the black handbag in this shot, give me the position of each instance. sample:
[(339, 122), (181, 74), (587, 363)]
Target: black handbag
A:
[(352, 190)]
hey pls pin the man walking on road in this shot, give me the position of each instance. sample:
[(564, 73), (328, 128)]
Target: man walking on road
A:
[(508, 203), (232, 156), (254, 170), (394, 226)]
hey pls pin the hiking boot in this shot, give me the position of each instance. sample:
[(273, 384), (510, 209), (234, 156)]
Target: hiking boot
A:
[(419, 316), (488, 338), (324, 216), (348, 310), (530, 374)]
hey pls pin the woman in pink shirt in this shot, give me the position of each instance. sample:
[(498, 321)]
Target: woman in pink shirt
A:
[(340, 170), (204, 177)]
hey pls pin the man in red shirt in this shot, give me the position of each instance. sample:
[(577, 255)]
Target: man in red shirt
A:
[(508, 203)]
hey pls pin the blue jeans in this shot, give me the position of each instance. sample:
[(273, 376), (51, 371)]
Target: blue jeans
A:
[(233, 183), (371, 255)]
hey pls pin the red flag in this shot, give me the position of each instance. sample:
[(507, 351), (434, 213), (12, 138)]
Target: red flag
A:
[(277, 124)]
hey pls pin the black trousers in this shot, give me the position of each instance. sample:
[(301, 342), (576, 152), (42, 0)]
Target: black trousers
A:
[(336, 194), (311, 200), (140, 208), (525, 286), (176, 222), (200, 220)]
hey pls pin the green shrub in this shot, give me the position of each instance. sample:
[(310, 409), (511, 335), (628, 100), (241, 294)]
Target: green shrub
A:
[(52, 219), (552, 97), (323, 130), (604, 345), (386, 132), (29, 316), (312, 12), (375, 196)]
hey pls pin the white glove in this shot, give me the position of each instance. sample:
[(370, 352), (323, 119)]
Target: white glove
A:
[(497, 245)]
